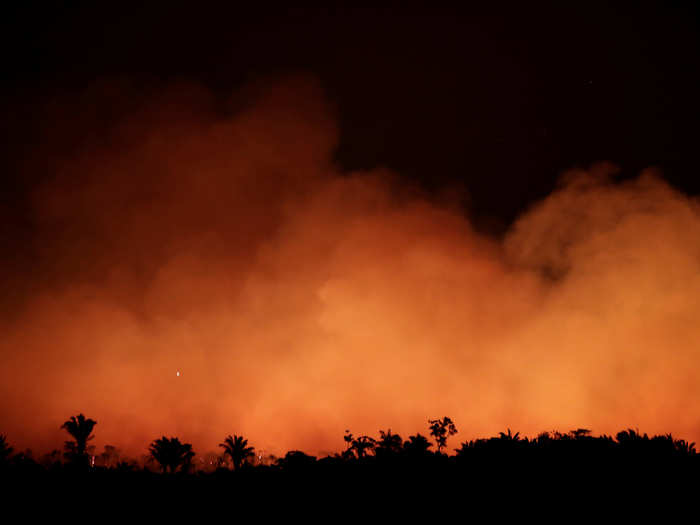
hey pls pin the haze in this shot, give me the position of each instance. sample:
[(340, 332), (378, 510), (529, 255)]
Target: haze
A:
[(218, 239)]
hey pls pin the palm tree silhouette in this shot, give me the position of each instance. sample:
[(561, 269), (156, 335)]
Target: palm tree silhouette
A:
[(171, 454), (80, 428), (509, 436), (363, 445), (237, 448), (388, 443), (417, 445)]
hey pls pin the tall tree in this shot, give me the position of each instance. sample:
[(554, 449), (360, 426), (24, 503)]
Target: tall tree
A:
[(80, 428), (171, 454), (237, 449), (441, 429)]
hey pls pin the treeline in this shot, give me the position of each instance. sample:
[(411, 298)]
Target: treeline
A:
[(170, 456)]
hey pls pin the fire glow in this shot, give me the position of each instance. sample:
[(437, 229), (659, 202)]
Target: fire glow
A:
[(302, 301)]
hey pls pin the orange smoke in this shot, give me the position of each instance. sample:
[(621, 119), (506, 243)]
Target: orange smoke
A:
[(297, 301)]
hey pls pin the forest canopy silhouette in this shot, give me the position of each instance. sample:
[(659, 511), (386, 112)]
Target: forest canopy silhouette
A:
[(576, 453), (204, 264)]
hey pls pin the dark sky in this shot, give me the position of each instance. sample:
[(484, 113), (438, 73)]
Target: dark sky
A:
[(496, 101)]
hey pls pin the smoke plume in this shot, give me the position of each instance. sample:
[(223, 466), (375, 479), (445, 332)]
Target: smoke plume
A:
[(174, 231)]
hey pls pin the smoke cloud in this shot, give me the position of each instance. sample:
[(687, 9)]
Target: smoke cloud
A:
[(178, 232)]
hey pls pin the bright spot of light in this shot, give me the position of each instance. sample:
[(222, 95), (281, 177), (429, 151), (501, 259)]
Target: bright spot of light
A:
[(177, 373)]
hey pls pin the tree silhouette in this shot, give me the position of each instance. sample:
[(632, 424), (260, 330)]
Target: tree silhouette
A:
[(296, 460), (171, 454), (237, 448), (5, 449), (388, 443), (358, 447), (110, 456), (125, 466), (580, 433), (441, 429), (348, 438), (509, 436), (80, 428), (51, 459), (362, 445), (417, 445), (630, 436), (684, 448)]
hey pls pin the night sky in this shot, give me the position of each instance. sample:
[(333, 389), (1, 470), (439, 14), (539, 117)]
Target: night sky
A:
[(507, 98), (469, 131)]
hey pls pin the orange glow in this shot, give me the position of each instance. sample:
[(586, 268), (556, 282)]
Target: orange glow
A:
[(295, 302)]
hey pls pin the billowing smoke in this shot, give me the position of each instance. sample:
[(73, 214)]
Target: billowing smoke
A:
[(219, 240)]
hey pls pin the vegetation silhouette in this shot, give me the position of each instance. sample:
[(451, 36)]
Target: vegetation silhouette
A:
[(52, 460), (171, 454), (441, 429), (110, 456), (238, 450), (5, 450), (387, 467), (389, 445), (296, 460), (417, 446), (80, 428), (360, 446)]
